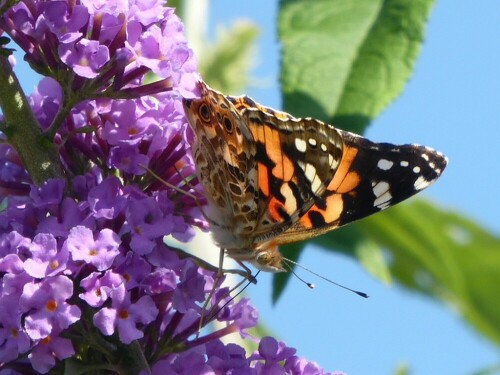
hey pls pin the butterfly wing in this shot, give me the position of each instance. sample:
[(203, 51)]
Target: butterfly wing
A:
[(224, 154), (296, 161), (273, 179), (371, 177)]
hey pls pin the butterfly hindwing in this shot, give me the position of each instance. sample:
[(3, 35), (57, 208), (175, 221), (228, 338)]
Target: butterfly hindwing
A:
[(296, 160), (223, 139)]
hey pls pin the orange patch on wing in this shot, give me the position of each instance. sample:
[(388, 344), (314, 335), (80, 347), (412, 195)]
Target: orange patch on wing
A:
[(274, 206), (334, 207), (263, 179), (273, 144), (284, 170), (258, 133), (350, 182), (344, 181), (271, 140), (304, 221)]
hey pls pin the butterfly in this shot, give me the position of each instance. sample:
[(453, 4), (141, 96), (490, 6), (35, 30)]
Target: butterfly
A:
[(272, 179)]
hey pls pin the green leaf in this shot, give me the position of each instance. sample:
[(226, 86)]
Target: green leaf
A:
[(178, 5), (372, 258), (347, 60), (226, 64), (444, 255), (436, 252)]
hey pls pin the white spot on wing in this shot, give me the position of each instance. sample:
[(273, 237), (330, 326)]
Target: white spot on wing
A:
[(334, 163), (291, 202), (312, 142), (404, 163), (416, 169), (383, 201), (300, 144), (312, 176), (380, 188), (421, 183), (383, 194), (385, 164)]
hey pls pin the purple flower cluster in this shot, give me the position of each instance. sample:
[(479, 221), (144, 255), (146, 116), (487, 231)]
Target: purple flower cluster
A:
[(91, 53), (73, 267), (85, 273), (99, 45), (271, 358)]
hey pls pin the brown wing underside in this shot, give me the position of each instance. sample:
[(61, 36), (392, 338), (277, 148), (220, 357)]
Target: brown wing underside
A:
[(224, 154)]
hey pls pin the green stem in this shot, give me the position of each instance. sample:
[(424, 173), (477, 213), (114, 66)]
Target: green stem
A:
[(63, 112), (37, 152)]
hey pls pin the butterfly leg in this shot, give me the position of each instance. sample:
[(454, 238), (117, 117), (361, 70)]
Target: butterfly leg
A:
[(217, 282), (247, 277), (246, 273)]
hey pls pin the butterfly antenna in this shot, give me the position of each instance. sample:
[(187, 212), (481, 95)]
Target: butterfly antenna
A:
[(310, 285), (361, 294)]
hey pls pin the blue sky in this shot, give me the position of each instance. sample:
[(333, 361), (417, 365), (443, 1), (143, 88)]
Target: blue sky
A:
[(452, 104)]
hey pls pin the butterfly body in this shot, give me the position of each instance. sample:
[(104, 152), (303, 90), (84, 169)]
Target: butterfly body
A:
[(272, 179)]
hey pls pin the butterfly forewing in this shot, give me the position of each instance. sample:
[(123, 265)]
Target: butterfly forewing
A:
[(370, 177)]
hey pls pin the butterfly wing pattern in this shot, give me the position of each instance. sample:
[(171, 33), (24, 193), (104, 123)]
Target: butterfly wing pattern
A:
[(272, 179)]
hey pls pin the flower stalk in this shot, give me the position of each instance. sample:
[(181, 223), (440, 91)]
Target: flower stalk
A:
[(38, 153)]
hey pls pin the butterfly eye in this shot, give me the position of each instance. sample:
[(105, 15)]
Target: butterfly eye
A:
[(228, 124), (263, 258), (204, 112)]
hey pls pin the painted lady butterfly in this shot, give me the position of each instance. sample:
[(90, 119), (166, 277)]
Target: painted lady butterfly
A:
[(272, 179)]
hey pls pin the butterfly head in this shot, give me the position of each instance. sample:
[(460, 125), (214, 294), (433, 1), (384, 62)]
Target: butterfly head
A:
[(268, 259), (265, 257)]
